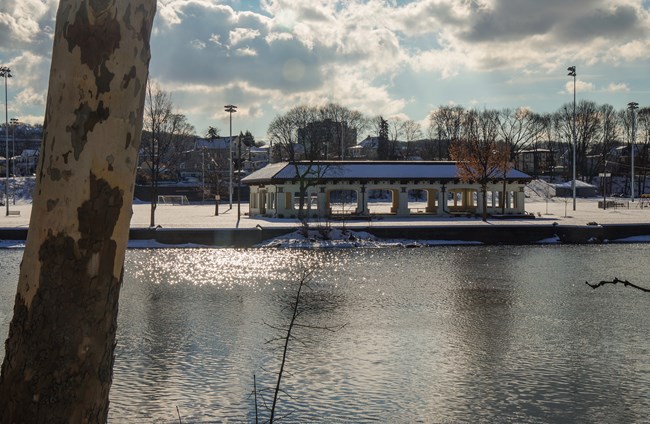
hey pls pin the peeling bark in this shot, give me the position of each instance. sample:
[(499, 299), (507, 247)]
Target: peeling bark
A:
[(59, 353)]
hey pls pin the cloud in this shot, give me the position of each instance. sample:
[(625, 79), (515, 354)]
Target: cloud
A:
[(619, 87), (25, 22), (29, 97), (377, 56), (239, 35), (581, 86)]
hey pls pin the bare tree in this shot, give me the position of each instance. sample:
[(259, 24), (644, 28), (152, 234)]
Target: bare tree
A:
[(297, 306), (643, 143), (445, 125), (412, 132), (587, 127), (347, 125), (165, 136), (517, 128), (606, 140), (60, 350), (295, 139), (479, 158)]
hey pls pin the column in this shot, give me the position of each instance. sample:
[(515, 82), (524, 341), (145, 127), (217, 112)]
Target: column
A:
[(403, 206), (362, 201), (442, 201), (323, 204), (431, 200)]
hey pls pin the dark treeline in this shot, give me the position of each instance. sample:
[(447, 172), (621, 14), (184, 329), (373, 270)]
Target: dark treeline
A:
[(603, 136)]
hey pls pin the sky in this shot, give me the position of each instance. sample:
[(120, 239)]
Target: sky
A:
[(395, 58)]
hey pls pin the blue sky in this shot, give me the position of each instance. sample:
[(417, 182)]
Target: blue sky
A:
[(395, 58)]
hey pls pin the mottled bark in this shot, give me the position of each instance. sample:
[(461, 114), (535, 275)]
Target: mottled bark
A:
[(59, 353)]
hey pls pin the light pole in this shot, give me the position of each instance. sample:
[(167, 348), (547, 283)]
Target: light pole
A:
[(230, 109), (5, 72), (572, 73), (14, 122), (632, 106), (239, 177)]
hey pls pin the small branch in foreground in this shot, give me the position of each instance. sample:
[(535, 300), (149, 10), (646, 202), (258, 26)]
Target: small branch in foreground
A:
[(616, 281)]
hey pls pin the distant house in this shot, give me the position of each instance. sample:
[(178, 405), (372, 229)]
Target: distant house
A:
[(209, 154), (583, 189), (25, 163), (536, 161), (256, 158), (347, 187), (366, 149)]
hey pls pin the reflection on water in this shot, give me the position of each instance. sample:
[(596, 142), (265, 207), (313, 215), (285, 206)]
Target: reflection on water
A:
[(445, 334)]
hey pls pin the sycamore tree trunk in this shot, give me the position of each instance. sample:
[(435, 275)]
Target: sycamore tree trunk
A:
[(59, 352)]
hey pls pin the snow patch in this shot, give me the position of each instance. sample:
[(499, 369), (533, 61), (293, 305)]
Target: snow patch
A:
[(341, 238)]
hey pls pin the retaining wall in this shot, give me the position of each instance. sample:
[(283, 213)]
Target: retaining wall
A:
[(497, 234)]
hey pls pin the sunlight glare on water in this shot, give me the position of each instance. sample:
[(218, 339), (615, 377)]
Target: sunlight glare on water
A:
[(226, 268), (444, 334)]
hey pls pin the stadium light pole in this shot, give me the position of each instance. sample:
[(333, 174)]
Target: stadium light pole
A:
[(572, 73), (13, 122), (230, 109), (632, 106), (5, 72)]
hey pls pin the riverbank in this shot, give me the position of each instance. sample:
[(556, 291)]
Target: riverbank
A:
[(554, 221)]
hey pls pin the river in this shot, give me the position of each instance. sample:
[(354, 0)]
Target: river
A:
[(440, 334)]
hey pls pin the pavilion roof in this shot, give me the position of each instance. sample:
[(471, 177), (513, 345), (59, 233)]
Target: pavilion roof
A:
[(364, 170)]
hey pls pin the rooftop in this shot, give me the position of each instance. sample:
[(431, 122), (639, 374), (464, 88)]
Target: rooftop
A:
[(364, 170)]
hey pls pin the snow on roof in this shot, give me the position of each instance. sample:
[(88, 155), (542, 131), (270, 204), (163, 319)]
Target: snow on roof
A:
[(217, 143), (579, 183), (362, 170)]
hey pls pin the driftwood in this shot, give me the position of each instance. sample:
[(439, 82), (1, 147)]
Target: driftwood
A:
[(616, 281)]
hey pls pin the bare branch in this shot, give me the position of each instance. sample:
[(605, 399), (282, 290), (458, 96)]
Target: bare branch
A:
[(332, 329), (616, 281)]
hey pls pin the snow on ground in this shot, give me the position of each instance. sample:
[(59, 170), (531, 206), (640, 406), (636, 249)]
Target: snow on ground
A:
[(539, 202), (337, 238)]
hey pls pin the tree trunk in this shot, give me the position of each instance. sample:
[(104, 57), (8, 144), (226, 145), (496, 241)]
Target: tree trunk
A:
[(59, 353), (484, 214), (154, 202)]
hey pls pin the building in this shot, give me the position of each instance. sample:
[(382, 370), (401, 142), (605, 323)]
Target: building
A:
[(536, 161), (333, 188), (366, 149), (583, 189)]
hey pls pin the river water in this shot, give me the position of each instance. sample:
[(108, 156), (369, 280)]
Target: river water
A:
[(441, 334)]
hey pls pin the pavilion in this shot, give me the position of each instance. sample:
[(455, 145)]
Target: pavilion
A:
[(413, 188)]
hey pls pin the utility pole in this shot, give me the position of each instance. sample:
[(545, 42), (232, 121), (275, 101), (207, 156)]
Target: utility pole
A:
[(632, 106), (230, 109), (572, 73), (5, 72)]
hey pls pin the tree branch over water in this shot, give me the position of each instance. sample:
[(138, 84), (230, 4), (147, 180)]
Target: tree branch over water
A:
[(616, 281)]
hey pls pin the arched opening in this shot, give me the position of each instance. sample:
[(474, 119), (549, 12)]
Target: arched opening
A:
[(343, 202), (379, 201), (420, 201), (462, 200)]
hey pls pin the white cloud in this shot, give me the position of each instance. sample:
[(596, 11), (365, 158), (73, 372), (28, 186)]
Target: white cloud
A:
[(365, 54), (620, 87), (246, 51), (239, 35), (216, 39), (197, 44), (580, 86), (29, 97)]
